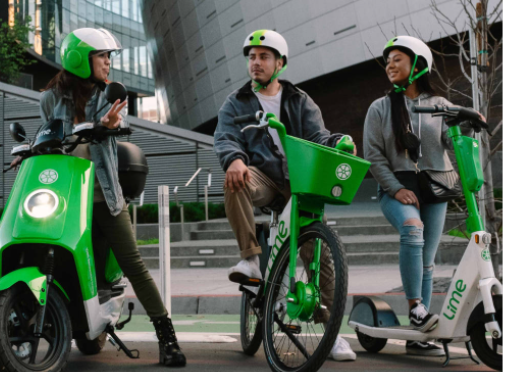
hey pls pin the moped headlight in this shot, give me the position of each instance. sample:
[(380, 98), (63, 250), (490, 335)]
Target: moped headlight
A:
[(41, 203)]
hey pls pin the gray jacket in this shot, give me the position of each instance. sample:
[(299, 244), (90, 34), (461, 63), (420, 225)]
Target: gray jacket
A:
[(299, 114), (379, 141), (103, 154)]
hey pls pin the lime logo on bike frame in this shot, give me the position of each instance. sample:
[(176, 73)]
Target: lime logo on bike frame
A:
[(343, 171), (48, 176), (486, 256)]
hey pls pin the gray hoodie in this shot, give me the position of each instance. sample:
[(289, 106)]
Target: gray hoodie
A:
[(379, 141)]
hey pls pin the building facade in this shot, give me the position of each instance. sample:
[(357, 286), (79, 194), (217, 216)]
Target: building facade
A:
[(197, 44), (52, 20)]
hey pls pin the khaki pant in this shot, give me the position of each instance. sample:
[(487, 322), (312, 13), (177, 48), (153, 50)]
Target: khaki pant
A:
[(260, 192)]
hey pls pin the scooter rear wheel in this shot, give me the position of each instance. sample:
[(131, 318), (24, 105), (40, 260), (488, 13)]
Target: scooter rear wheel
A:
[(20, 350), (371, 344), (490, 351)]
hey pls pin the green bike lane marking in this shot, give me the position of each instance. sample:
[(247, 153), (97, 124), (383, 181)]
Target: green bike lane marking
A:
[(211, 323)]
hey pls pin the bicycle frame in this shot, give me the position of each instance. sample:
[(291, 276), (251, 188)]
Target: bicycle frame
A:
[(282, 229)]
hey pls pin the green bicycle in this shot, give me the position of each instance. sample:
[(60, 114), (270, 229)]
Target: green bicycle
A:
[(297, 309)]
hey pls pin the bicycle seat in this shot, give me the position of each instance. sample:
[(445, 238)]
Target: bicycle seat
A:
[(276, 205)]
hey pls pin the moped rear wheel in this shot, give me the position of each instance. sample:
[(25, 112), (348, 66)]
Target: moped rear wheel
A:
[(250, 324), (20, 349), (488, 349), (303, 343), (92, 347)]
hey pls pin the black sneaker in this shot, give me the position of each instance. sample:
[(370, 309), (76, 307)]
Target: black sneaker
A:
[(423, 349), (421, 319)]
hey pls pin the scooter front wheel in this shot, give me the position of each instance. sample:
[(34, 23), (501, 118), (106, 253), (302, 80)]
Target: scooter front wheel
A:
[(20, 349), (489, 350)]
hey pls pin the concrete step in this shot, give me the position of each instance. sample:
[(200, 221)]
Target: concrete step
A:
[(361, 250), (339, 221), (342, 231)]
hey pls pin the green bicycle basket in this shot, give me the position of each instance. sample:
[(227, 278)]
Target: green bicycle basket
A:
[(331, 175)]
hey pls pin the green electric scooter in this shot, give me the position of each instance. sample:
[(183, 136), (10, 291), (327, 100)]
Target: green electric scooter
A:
[(48, 283)]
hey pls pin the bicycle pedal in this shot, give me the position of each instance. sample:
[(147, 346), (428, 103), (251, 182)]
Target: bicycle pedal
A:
[(294, 329), (252, 282)]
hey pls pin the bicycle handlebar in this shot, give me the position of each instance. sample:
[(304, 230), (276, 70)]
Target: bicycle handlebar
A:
[(256, 117)]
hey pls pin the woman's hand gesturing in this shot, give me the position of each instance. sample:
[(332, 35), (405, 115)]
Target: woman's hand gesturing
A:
[(112, 118)]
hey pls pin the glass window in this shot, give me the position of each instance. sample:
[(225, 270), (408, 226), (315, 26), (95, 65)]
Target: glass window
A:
[(116, 62), (149, 70), (135, 10), (143, 60), (116, 6), (99, 3), (136, 60), (126, 60), (125, 8)]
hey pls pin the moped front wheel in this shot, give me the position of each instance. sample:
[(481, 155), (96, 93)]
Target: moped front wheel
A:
[(303, 342), (20, 349), (250, 324), (488, 349)]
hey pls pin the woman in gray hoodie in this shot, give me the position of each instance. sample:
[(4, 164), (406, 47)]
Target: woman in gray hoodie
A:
[(400, 144)]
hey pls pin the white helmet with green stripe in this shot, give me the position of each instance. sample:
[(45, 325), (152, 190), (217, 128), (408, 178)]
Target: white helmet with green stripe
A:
[(77, 46), (268, 39), (415, 46)]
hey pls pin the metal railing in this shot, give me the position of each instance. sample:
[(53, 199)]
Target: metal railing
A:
[(206, 188)]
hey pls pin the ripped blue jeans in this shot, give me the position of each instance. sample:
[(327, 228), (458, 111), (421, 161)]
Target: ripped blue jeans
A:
[(418, 243)]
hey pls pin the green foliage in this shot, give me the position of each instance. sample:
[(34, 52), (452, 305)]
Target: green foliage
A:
[(193, 212), (13, 45), (147, 242)]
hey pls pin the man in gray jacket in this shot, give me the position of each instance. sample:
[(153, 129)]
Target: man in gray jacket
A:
[(255, 164)]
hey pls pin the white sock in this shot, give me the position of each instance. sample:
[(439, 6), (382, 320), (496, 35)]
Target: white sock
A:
[(254, 258)]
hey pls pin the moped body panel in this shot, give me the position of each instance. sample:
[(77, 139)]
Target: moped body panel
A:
[(71, 179)]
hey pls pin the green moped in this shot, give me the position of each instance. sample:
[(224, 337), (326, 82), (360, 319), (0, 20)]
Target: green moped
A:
[(48, 282)]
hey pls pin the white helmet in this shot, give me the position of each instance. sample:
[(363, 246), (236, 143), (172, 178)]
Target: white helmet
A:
[(269, 39), (413, 44)]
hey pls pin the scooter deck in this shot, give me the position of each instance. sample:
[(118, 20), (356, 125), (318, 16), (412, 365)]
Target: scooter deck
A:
[(401, 333)]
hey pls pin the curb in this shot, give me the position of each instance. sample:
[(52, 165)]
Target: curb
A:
[(230, 304)]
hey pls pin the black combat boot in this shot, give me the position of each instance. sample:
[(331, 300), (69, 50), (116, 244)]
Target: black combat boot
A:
[(170, 352)]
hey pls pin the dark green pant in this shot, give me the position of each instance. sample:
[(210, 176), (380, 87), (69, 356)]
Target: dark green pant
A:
[(116, 233)]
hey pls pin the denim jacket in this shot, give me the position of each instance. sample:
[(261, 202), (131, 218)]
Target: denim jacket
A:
[(104, 154), (299, 114)]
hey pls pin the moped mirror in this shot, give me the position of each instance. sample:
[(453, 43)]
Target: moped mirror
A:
[(115, 91), (17, 132)]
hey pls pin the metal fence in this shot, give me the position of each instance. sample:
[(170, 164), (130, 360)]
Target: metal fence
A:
[(173, 154)]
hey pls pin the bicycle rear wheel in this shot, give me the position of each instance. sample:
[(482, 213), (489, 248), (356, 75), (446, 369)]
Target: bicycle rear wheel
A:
[(250, 324), (293, 344)]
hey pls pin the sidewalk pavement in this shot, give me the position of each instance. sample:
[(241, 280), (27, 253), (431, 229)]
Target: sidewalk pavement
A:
[(208, 291)]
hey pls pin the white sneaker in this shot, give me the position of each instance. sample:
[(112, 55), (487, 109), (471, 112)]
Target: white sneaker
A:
[(341, 350), (245, 269)]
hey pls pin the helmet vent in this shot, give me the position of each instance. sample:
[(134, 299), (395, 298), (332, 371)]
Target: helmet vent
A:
[(395, 39), (251, 38), (262, 38)]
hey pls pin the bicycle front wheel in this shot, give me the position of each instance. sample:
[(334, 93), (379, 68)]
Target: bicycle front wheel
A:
[(303, 345)]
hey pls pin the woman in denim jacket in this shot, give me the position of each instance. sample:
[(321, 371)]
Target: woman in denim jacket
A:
[(74, 95)]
